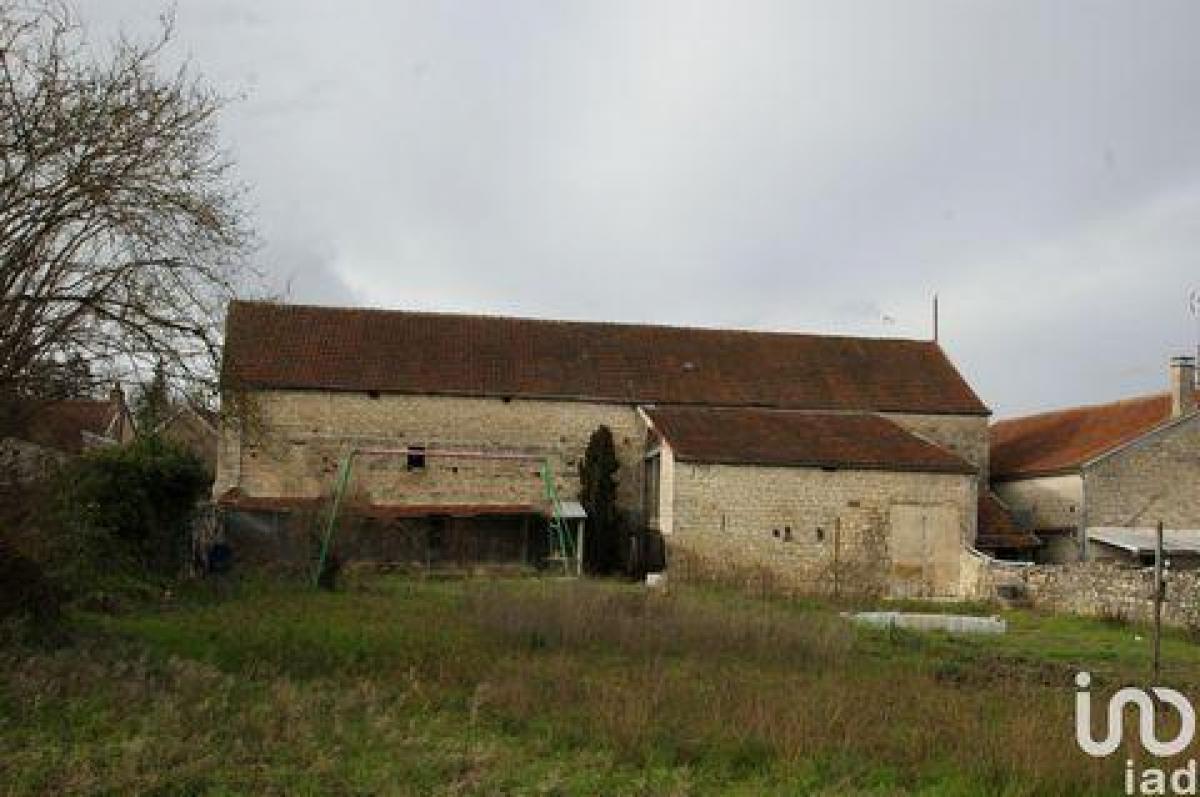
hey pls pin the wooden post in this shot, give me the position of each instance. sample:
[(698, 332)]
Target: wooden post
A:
[(837, 565), (1158, 600)]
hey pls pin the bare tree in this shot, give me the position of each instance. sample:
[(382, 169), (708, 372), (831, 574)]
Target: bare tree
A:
[(122, 233)]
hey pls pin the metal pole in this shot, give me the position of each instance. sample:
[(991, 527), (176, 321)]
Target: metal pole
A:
[(1158, 599), (935, 318), (338, 493)]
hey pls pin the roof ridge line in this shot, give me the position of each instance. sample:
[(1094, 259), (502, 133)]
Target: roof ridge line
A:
[(1082, 407), (543, 320)]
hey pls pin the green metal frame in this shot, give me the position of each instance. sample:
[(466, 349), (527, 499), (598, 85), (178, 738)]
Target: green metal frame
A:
[(560, 535), (339, 492), (557, 527)]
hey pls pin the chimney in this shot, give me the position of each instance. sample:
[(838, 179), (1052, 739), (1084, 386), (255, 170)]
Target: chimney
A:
[(1183, 386)]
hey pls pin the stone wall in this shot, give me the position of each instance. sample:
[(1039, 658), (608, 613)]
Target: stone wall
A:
[(1048, 502), (294, 441), (1051, 502), (964, 435), (810, 529), (1106, 589), (22, 462), (1156, 478)]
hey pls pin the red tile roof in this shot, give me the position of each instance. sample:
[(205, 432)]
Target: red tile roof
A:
[(748, 436), (1060, 442), (62, 425), (324, 348), (997, 529)]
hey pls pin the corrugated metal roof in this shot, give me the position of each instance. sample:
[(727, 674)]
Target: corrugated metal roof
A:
[(573, 510), (1142, 540)]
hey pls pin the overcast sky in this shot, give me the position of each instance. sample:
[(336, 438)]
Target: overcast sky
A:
[(808, 166)]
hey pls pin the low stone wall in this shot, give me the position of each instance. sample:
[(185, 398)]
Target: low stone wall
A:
[(1104, 589)]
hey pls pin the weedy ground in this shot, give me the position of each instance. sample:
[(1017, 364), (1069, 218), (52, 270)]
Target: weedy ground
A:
[(399, 685)]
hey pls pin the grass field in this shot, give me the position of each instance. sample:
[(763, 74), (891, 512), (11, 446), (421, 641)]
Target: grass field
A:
[(397, 685)]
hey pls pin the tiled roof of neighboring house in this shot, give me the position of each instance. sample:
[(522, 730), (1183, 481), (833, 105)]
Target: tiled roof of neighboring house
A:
[(1060, 442), (302, 347), (66, 425), (997, 529), (750, 436)]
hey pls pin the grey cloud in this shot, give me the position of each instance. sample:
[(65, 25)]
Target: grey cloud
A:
[(810, 166)]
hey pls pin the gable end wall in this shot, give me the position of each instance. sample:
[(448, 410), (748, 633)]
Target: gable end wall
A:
[(1155, 478)]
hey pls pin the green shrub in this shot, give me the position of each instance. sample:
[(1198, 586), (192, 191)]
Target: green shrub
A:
[(598, 494), (25, 592), (124, 511)]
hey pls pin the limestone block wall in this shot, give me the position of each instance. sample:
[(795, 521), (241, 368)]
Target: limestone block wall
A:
[(1106, 589), (1052, 502), (808, 528), (1156, 478), (293, 442), (964, 435)]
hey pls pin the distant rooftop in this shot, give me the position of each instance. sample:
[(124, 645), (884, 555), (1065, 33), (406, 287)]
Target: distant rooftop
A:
[(1062, 441)]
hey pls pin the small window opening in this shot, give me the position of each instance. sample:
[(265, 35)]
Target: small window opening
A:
[(373, 394), (416, 458), (787, 533), (820, 534), (775, 532)]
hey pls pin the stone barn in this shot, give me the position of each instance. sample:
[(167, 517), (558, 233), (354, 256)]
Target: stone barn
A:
[(831, 462)]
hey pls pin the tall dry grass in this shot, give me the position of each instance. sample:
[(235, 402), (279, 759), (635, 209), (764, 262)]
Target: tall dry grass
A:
[(683, 680), (487, 687)]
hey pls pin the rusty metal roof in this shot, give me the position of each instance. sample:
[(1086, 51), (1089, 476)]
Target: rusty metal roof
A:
[(276, 346), (236, 499)]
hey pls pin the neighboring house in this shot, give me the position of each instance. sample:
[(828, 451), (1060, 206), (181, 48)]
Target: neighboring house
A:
[(196, 429), (57, 430), (797, 453), (75, 425), (1079, 473)]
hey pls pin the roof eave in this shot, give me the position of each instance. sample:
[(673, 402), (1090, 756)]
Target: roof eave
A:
[(947, 470), (240, 384)]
